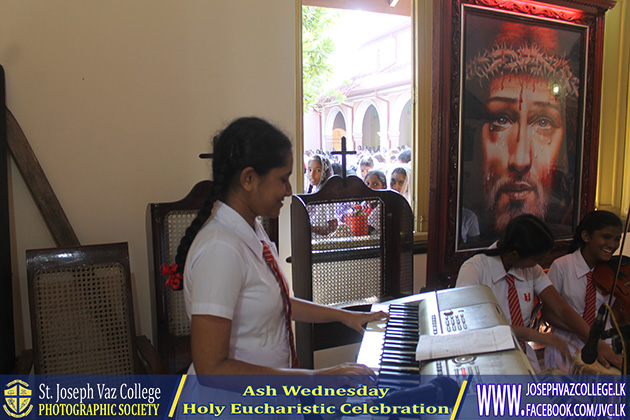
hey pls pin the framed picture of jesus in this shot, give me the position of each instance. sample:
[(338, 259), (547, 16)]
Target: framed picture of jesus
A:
[(517, 131), (522, 125)]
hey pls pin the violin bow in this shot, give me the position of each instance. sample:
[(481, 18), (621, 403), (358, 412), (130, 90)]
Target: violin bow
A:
[(621, 247)]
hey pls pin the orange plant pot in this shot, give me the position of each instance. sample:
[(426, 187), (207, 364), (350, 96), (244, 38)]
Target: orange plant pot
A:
[(359, 225)]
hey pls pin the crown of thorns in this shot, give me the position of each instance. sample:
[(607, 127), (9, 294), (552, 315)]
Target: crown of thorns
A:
[(524, 60)]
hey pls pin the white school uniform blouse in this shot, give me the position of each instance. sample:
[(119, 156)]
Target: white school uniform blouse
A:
[(488, 270), (568, 275), (226, 276)]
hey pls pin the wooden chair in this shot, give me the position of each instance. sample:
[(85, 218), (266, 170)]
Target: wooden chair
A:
[(82, 313), (166, 225), (348, 269)]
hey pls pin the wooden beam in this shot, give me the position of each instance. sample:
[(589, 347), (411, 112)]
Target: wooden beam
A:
[(38, 184), (7, 329)]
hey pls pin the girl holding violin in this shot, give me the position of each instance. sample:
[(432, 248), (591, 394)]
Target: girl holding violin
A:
[(596, 239)]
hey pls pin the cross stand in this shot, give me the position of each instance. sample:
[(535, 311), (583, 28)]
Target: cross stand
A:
[(343, 154)]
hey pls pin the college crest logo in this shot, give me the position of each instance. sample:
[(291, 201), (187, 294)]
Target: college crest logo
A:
[(17, 396)]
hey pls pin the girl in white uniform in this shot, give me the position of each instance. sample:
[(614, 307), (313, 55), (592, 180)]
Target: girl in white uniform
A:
[(236, 294), (234, 299), (524, 243), (232, 296), (596, 238)]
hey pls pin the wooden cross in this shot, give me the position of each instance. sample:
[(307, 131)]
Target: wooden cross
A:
[(343, 154)]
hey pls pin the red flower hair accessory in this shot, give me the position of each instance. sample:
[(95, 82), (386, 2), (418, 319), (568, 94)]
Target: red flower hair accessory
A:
[(174, 279)]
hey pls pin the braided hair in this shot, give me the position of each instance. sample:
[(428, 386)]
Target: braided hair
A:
[(527, 235), (245, 142), (595, 220)]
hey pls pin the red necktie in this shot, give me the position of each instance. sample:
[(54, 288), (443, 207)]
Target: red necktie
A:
[(589, 300), (516, 316), (286, 300)]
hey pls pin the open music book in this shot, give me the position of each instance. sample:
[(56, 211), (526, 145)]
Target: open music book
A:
[(485, 340)]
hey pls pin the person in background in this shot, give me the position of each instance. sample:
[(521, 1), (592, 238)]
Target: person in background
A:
[(366, 164), (376, 180), (393, 155), (404, 157), (323, 218), (380, 161), (399, 181), (318, 170)]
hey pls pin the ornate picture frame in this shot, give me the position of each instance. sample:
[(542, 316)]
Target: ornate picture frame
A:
[(517, 126)]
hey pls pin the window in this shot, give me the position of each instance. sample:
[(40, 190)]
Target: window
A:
[(371, 95)]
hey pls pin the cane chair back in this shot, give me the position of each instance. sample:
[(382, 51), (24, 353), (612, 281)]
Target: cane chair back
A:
[(81, 310), (166, 225)]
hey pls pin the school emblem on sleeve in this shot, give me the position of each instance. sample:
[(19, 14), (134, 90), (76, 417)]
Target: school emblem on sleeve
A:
[(17, 396)]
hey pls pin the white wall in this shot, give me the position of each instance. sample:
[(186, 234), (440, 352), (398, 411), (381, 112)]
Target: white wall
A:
[(117, 99)]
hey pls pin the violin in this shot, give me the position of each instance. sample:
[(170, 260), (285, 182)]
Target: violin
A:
[(604, 276)]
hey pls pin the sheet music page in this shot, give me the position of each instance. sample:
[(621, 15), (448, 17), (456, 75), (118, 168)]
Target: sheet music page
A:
[(483, 340)]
